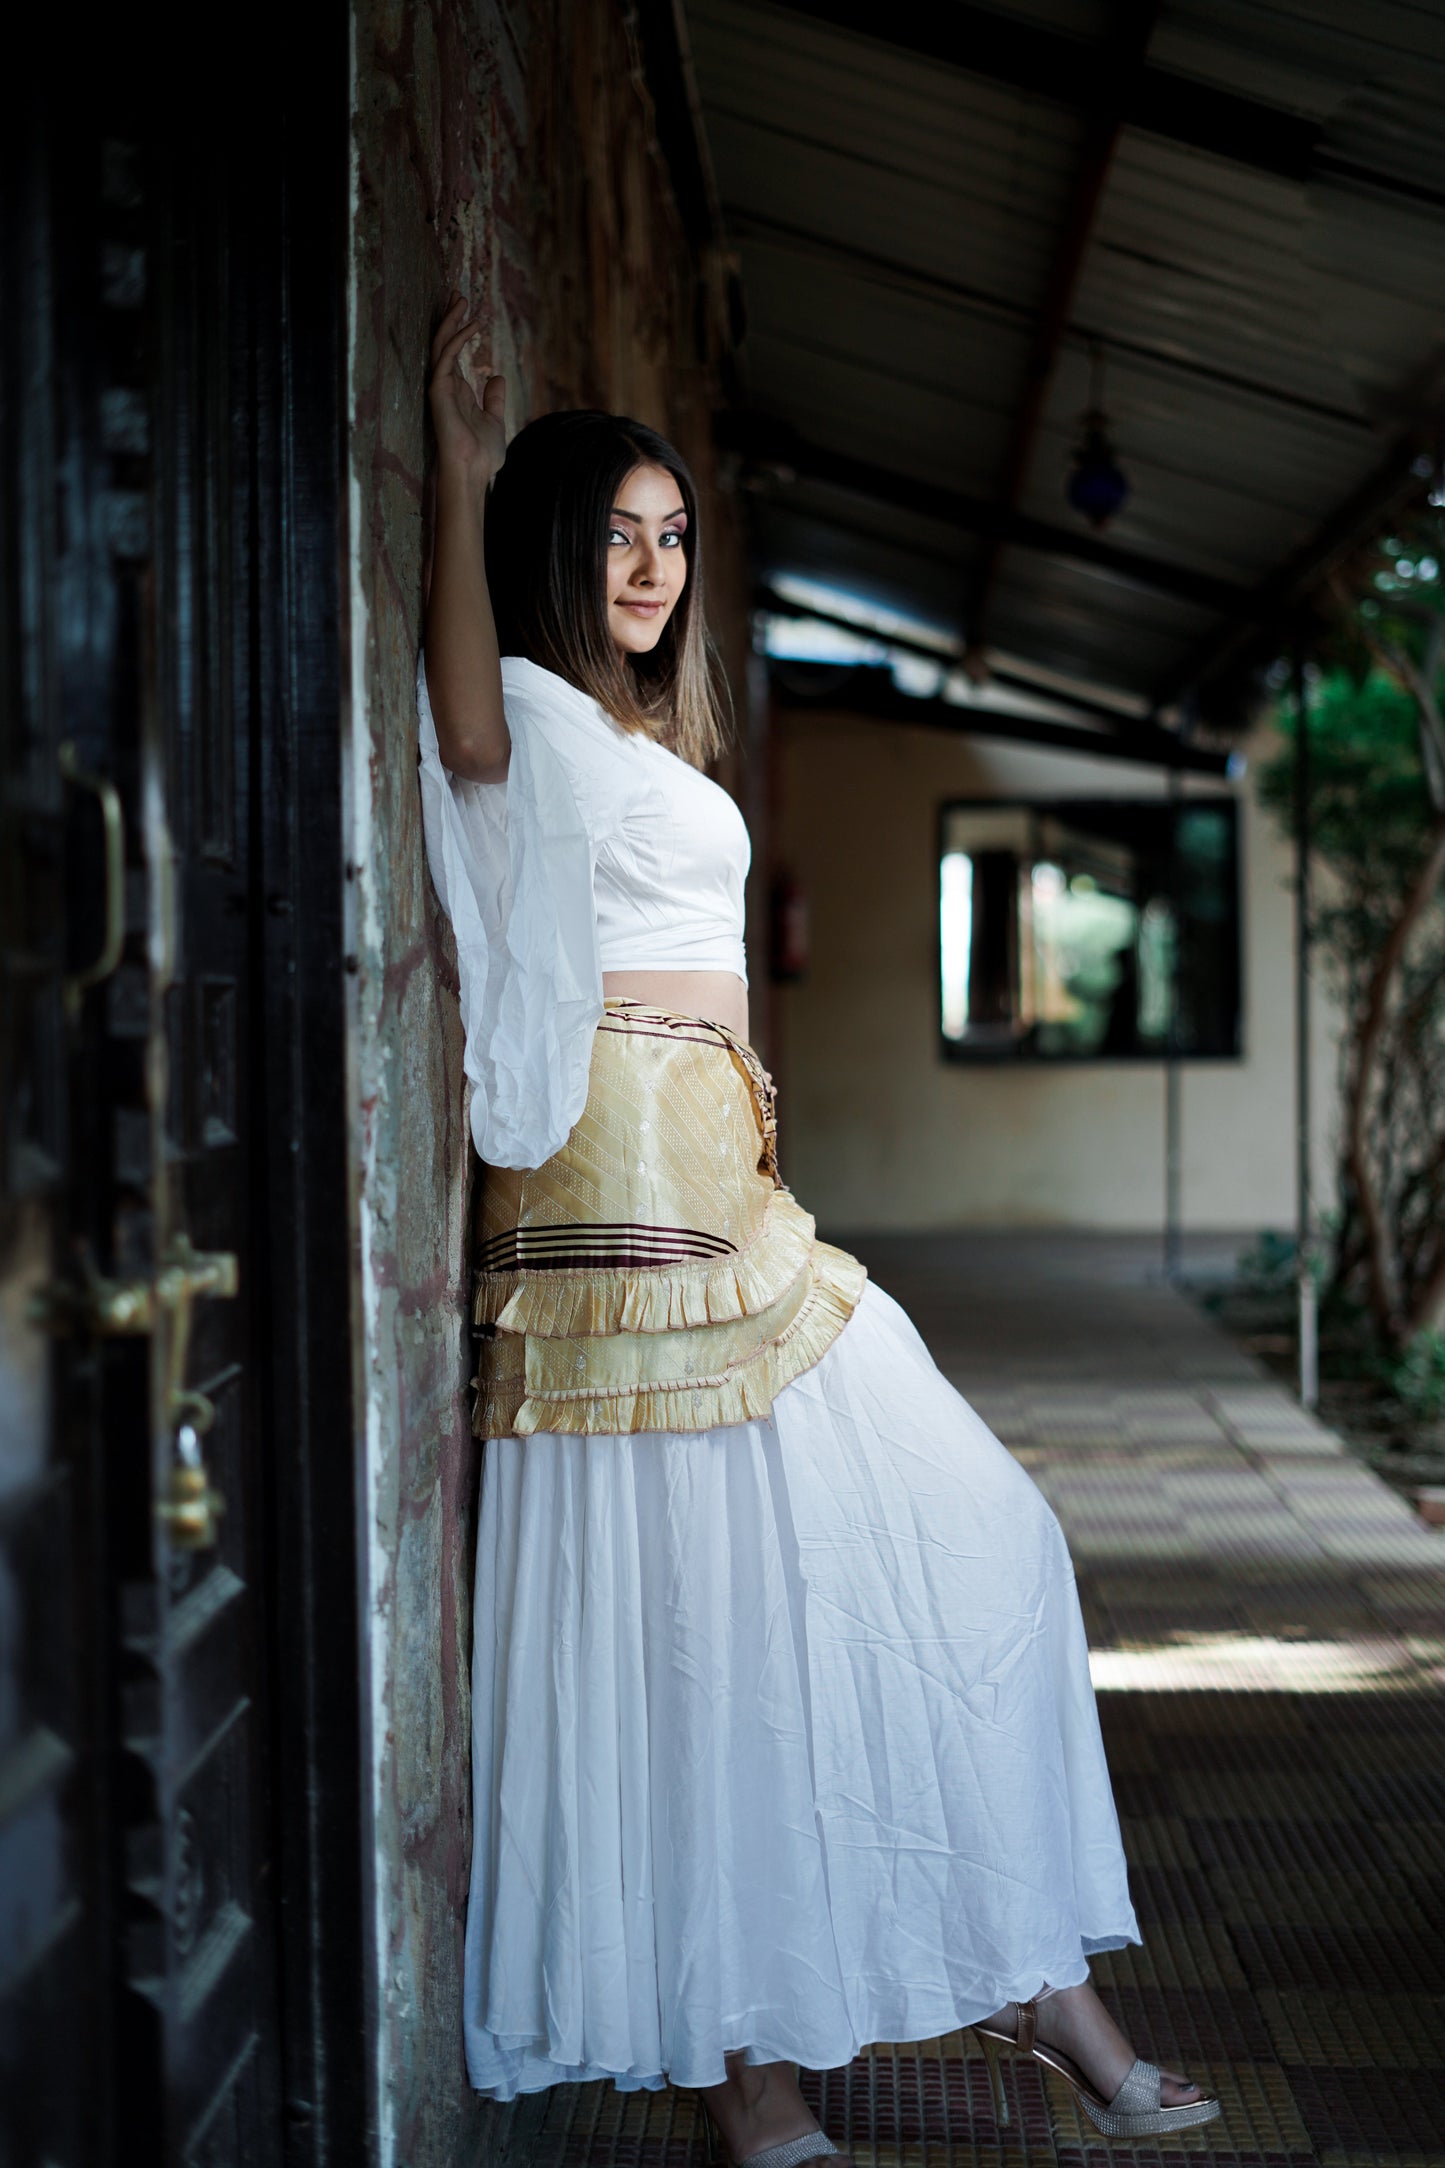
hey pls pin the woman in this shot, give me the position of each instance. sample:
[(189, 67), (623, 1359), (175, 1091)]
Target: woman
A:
[(783, 1738)]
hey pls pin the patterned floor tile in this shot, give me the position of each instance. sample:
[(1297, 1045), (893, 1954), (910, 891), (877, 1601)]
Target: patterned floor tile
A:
[(1160, 1841), (1349, 2031), (1370, 2114), (1304, 1897), (1185, 1955)]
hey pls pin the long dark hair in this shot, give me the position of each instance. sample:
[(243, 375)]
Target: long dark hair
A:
[(548, 517)]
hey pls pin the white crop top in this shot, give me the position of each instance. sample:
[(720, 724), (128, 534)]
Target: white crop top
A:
[(602, 851), (669, 878)]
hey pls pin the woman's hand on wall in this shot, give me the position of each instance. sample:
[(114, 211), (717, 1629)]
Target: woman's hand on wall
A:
[(471, 433), (463, 670)]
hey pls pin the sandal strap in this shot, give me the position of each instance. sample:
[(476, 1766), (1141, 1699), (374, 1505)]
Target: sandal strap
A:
[(1140, 2092), (811, 2146)]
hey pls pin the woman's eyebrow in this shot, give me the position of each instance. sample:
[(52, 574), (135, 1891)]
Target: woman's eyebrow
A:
[(619, 512)]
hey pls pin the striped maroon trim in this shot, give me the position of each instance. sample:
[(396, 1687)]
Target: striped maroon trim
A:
[(608, 1242), (596, 1261), (699, 1034), (582, 1230)]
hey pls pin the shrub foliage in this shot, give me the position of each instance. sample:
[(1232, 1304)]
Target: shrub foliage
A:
[(1376, 811)]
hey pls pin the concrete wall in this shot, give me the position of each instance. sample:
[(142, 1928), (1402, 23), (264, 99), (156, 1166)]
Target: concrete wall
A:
[(879, 1131), (509, 149)]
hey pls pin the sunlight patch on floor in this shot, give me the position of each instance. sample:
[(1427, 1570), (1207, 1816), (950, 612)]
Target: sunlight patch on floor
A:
[(1254, 1663)]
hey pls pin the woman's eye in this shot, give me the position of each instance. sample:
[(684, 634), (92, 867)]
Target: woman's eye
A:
[(672, 534), (617, 535)]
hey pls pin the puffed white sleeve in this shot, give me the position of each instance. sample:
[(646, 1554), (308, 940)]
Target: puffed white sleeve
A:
[(513, 866)]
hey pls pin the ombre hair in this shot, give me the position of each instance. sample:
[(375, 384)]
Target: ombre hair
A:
[(549, 513)]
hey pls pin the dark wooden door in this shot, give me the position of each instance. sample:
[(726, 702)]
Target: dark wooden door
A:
[(54, 1928), (180, 1886)]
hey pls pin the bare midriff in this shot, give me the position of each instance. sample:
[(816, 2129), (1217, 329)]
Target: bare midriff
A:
[(720, 996)]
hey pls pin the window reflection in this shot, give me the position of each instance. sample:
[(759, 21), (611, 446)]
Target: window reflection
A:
[(1089, 929), (955, 930)]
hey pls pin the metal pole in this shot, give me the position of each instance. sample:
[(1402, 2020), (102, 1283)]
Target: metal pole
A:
[(1173, 1095), (1309, 1345), (760, 808)]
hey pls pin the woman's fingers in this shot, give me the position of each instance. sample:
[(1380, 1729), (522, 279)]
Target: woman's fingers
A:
[(451, 353), (451, 335), (462, 418), (448, 323), (444, 355), (447, 379)]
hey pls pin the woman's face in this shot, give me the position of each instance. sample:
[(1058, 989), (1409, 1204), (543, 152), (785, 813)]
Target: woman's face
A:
[(646, 563)]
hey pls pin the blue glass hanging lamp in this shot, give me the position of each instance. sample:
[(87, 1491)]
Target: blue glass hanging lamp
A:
[(1097, 487)]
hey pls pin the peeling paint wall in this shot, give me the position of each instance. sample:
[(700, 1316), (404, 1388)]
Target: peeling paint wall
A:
[(510, 150)]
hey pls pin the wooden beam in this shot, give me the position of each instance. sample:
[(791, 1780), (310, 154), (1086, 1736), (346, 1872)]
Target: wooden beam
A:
[(1266, 616), (1076, 73), (1126, 53), (871, 692), (760, 226), (776, 605), (777, 444), (677, 111)]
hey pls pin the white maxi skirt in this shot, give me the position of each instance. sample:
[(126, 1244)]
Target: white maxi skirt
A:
[(783, 1737)]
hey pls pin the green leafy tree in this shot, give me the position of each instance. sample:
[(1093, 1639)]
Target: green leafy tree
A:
[(1377, 820)]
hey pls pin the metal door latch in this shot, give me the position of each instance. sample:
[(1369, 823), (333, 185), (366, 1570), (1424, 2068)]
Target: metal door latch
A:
[(190, 1510), (105, 1307)]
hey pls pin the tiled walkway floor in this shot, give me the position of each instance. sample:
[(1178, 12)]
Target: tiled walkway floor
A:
[(1268, 1622)]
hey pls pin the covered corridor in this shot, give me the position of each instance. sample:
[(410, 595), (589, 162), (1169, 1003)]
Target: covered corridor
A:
[(1266, 1621), (1040, 364)]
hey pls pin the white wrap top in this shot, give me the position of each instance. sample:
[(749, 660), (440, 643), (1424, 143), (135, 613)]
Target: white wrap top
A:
[(602, 851)]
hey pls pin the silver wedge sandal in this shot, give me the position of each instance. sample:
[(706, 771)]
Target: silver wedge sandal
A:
[(1136, 2110), (811, 2146)]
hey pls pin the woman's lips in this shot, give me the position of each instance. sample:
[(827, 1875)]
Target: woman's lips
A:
[(643, 609)]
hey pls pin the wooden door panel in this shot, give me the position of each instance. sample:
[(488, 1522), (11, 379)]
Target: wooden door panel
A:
[(206, 1649), (179, 1735), (51, 1935), (135, 1845)]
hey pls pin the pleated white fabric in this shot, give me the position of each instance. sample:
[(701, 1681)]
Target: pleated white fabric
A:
[(783, 1737)]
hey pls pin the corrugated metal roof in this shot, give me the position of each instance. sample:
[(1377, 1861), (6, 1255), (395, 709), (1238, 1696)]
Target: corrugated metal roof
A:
[(1269, 324)]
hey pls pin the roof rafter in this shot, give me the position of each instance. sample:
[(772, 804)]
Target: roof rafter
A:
[(1076, 703), (677, 114), (750, 225), (1075, 73), (861, 689), (1127, 53), (777, 444), (1271, 602), (1363, 512)]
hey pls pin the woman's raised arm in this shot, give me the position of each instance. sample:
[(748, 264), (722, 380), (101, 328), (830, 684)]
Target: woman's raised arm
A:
[(463, 671)]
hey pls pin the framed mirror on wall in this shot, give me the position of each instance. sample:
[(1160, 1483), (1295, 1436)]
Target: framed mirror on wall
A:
[(1089, 929)]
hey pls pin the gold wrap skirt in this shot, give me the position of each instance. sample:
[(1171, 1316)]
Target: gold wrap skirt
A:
[(655, 1274)]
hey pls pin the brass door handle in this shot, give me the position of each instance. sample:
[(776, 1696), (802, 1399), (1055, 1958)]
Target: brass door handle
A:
[(78, 983)]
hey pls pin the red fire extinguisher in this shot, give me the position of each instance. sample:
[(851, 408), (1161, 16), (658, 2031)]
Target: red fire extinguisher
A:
[(788, 929)]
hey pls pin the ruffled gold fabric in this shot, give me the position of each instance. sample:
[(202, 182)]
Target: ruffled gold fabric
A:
[(655, 1274)]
